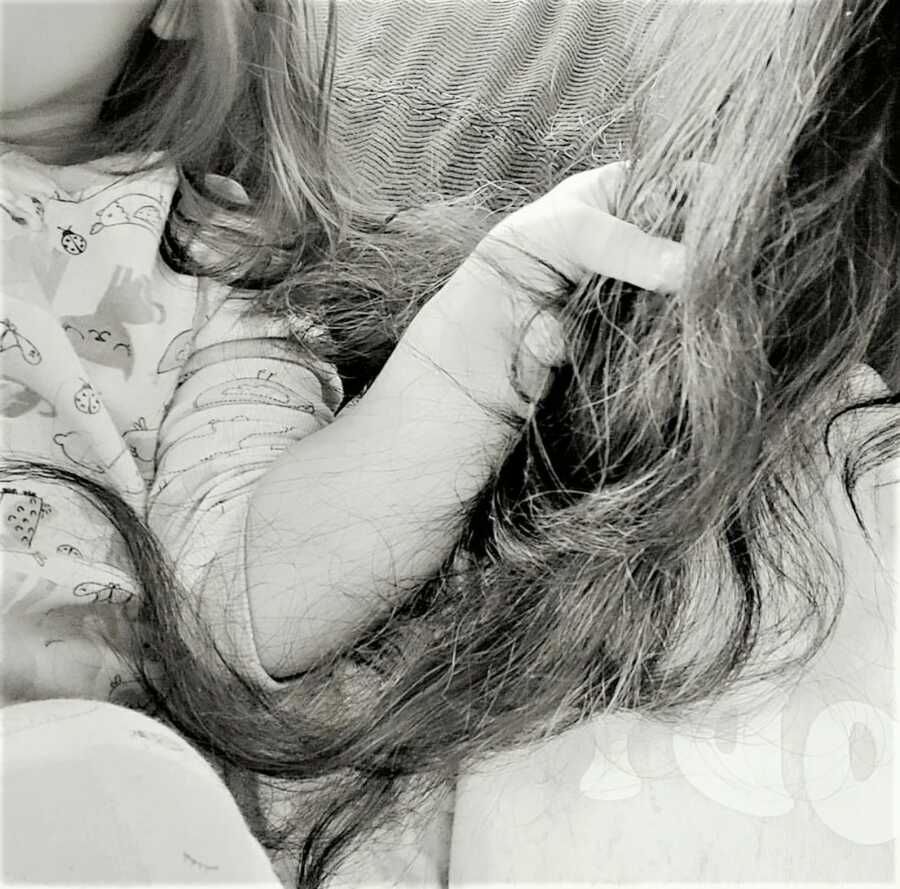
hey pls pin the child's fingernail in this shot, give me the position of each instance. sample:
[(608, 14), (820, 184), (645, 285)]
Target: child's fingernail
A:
[(544, 339)]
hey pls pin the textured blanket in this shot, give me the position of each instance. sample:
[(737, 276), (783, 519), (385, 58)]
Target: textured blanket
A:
[(442, 96)]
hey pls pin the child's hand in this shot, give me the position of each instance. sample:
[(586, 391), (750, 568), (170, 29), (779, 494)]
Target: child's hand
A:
[(490, 313)]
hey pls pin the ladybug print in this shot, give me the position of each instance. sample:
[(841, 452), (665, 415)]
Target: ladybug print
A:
[(87, 400), (72, 242)]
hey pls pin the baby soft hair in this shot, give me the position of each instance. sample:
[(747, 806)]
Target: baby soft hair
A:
[(662, 480)]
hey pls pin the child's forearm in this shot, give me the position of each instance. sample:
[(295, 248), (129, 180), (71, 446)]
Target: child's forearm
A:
[(350, 518)]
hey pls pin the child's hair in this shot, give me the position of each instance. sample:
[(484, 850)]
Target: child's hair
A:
[(226, 101), (248, 97), (661, 482)]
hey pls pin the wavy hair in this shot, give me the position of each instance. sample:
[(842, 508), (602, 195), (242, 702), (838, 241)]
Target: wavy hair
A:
[(645, 545)]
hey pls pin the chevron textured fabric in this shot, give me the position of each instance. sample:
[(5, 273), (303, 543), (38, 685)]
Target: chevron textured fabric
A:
[(437, 97)]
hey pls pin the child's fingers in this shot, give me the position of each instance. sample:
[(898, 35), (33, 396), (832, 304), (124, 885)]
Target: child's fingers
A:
[(578, 240), (603, 186), (598, 243), (599, 188)]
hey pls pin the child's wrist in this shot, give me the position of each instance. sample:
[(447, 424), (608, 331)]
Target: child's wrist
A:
[(502, 354)]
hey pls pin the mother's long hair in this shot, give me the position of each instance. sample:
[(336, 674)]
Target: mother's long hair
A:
[(645, 544)]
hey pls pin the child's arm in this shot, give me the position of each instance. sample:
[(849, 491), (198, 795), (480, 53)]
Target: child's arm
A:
[(347, 520)]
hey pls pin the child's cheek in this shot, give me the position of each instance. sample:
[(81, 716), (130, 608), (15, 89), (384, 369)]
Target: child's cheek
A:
[(60, 51)]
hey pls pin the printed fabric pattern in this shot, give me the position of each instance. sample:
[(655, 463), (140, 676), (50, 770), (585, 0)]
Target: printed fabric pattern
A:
[(160, 386)]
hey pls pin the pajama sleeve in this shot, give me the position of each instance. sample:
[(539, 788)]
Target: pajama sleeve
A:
[(247, 392)]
